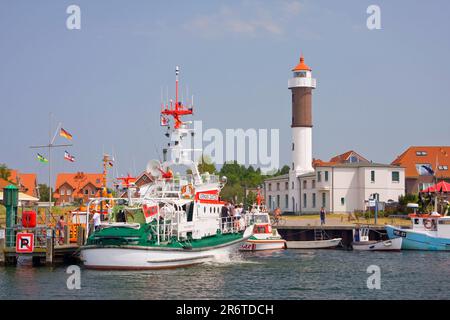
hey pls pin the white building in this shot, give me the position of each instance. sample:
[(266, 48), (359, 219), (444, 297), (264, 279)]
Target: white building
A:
[(344, 184)]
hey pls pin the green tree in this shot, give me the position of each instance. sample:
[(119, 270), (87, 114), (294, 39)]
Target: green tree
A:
[(206, 165), (43, 192), (5, 172)]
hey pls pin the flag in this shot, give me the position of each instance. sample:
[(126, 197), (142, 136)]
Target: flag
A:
[(69, 157), (41, 158), (150, 211), (65, 134), (164, 122), (428, 169)]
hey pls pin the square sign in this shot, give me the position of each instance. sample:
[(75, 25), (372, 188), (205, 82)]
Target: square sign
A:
[(24, 242)]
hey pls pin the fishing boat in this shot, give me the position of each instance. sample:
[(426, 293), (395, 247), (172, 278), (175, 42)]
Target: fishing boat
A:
[(174, 221), (427, 232), (362, 242), (314, 244)]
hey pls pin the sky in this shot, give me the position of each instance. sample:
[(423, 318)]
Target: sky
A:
[(378, 91)]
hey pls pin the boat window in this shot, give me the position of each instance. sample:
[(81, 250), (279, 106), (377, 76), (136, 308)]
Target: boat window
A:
[(204, 209), (190, 211), (444, 221), (416, 221), (260, 219)]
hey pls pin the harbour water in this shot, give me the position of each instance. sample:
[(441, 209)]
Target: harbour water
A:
[(288, 274)]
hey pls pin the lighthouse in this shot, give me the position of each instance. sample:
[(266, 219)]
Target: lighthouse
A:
[(301, 85)]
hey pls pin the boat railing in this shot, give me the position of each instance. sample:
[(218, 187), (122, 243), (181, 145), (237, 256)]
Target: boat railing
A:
[(229, 225)]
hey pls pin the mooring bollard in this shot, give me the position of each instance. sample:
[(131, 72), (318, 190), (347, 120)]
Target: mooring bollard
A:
[(2, 247), (49, 254)]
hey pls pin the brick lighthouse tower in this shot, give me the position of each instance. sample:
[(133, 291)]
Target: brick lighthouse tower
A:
[(301, 86)]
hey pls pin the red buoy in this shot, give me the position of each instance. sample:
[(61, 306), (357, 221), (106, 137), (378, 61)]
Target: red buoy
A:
[(29, 219)]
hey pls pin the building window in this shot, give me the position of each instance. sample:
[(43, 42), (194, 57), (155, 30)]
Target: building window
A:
[(292, 185), (92, 192), (304, 200), (305, 184), (342, 201), (442, 168), (313, 200), (326, 176), (353, 159), (270, 187), (286, 201), (395, 176), (372, 176), (86, 191), (421, 153), (293, 146), (292, 166), (313, 184), (278, 186), (286, 186), (68, 192), (61, 192), (324, 199), (270, 203), (293, 204), (278, 201), (319, 176)]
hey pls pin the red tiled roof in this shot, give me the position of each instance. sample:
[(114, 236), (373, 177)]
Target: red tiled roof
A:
[(424, 155), (78, 181), (28, 182), (3, 183), (344, 157)]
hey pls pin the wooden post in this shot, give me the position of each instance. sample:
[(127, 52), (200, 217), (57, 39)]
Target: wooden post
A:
[(80, 236), (2, 247), (66, 234), (49, 254)]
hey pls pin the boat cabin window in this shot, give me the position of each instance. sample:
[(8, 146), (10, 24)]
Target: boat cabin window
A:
[(416, 221), (260, 219), (444, 221), (189, 209)]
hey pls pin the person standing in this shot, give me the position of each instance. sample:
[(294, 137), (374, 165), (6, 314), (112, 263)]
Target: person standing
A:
[(97, 220), (60, 227), (224, 215), (322, 216)]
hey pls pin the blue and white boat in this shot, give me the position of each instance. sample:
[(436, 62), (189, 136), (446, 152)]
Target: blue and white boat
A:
[(428, 232)]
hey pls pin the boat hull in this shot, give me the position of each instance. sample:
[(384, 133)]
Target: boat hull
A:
[(316, 244), (388, 245), (143, 258), (260, 245), (412, 240)]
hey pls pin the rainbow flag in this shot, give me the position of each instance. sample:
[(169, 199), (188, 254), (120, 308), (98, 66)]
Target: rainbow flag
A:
[(65, 134)]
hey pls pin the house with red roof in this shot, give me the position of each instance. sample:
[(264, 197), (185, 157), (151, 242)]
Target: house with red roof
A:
[(77, 187), (420, 162), (342, 184), (26, 182)]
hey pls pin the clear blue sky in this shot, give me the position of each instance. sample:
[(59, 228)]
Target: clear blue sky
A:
[(378, 92)]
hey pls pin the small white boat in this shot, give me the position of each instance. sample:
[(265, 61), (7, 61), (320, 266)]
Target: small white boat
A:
[(387, 245), (314, 244), (362, 242), (263, 236)]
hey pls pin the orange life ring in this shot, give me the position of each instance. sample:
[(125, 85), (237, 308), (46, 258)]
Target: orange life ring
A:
[(187, 191), (427, 223)]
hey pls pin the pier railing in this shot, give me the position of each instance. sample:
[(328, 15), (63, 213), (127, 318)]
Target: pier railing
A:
[(40, 235)]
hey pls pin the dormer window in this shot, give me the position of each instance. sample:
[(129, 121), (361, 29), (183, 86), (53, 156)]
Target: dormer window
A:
[(421, 153), (443, 168)]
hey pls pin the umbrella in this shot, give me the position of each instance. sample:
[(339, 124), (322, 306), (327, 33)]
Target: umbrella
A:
[(441, 187)]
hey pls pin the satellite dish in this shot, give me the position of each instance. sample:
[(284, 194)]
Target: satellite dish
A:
[(154, 168)]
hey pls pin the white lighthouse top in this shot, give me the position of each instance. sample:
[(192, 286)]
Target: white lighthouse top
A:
[(302, 76)]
